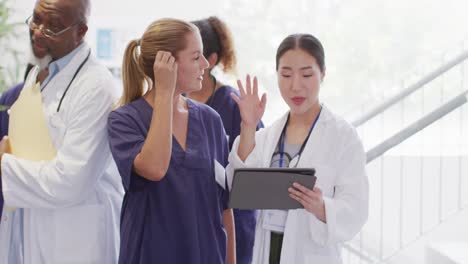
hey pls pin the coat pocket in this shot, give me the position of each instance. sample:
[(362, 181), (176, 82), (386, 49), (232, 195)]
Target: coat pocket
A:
[(80, 235), (315, 253), (325, 179), (57, 129)]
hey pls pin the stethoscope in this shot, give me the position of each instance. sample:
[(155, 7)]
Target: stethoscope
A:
[(283, 139), (71, 81)]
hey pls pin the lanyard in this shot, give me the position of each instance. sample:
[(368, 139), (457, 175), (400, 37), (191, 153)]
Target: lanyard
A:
[(71, 81), (283, 139)]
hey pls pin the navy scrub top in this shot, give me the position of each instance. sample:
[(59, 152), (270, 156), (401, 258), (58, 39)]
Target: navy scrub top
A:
[(178, 219)]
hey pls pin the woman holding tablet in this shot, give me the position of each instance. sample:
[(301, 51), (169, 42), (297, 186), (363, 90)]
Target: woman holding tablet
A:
[(310, 135)]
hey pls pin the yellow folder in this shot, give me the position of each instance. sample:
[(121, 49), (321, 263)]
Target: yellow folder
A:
[(28, 131)]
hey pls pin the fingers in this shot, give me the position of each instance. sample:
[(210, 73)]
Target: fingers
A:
[(300, 196), (317, 191), (4, 144), (303, 189), (236, 98), (255, 86), (165, 70), (165, 57), (248, 84), (299, 199), (8, 146), (158, 57), (172, 63), (171, 60), (306, 193), (305, 201), (311, 200), (241, 88), (250, 88)]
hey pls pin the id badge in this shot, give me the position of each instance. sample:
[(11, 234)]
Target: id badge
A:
[(275, 220), (220, 174)]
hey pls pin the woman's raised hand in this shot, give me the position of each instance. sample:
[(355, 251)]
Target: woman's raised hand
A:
[(165, 71), (250, 105)]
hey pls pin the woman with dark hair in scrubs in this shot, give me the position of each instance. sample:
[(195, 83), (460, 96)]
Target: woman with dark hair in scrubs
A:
[(218, 49)]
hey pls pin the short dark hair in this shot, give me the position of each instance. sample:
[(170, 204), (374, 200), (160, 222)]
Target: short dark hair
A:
[(305, 42)]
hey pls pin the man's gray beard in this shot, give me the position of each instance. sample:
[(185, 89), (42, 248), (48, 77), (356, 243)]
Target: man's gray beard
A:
[(41, 62)]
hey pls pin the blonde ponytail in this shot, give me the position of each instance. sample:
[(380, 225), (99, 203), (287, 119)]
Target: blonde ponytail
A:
[(132, 74)]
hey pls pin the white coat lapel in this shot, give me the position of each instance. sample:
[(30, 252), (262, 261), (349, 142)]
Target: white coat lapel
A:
[(310, 155), (54, 91), (315, 146), (290, 237), (57, 85), (272, 139), (262, 245)]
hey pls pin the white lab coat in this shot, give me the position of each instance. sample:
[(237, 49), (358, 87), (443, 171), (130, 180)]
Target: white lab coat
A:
[(68, 208), (337, 154)]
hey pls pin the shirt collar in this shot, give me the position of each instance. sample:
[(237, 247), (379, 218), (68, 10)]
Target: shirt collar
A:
[(58, 65)]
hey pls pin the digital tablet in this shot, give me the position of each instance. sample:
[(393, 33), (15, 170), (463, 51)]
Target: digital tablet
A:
[(267, 188)]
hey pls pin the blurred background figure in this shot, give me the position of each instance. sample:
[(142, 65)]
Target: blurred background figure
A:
[(218, 49)]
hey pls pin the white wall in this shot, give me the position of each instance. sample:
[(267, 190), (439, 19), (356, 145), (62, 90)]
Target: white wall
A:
[(372, 47)]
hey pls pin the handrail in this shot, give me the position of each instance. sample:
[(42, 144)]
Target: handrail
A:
[(417, 126), (411, 89)]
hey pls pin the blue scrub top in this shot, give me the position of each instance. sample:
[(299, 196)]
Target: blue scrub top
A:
[(245, 220), (178, 219), (8, 98)]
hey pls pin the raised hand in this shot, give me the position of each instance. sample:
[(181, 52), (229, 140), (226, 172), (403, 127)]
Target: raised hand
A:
[(250, 105), (165, 72)]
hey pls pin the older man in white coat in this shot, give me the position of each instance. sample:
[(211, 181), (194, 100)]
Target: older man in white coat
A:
[(67, 208)]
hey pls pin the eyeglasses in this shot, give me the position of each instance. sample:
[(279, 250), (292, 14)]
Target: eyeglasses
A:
[(46, 31)]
